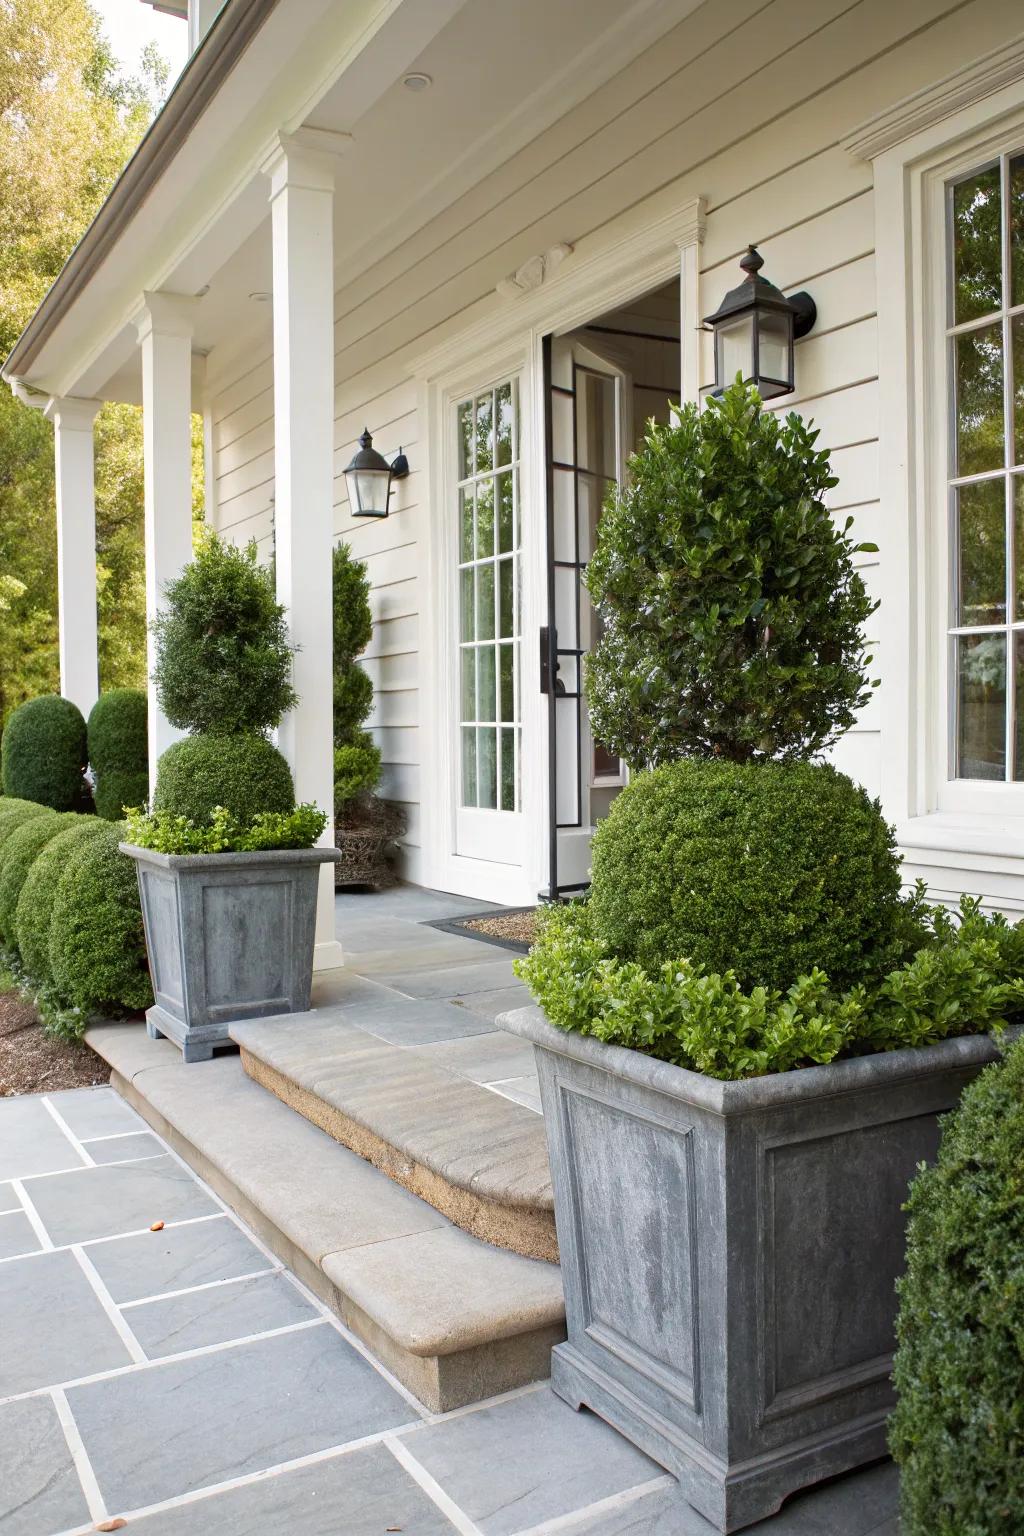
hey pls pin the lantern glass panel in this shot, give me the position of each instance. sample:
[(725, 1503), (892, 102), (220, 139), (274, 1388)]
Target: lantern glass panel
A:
[(734, 350), (774, 353), (368, 492)]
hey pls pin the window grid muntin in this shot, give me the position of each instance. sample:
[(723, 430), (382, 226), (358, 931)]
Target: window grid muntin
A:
[(1011, 473), (494, 560)]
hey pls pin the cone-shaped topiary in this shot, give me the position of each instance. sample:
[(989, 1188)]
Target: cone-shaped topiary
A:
[(958, 1429), (44, 754), (118, 752), (765, 869), (34, 911), (223, 662), (731, 611), (97, 941), (357, 758), (244, 774)]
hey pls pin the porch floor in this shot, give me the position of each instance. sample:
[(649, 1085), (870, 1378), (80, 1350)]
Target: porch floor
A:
[(186, 1378)]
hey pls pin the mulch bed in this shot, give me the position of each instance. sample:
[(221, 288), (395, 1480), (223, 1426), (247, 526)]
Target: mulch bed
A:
[(31, 1061)]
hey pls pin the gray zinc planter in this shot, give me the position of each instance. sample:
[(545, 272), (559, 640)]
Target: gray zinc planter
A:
[(729, 1252), (230, 936)]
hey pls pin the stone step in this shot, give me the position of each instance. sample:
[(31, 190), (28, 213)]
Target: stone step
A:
[(476, 1156), (455, 1319)]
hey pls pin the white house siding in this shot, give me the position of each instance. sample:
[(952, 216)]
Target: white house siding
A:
[(744, 104)]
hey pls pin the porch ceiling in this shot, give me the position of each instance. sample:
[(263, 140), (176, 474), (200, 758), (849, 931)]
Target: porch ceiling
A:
[(500, 76)]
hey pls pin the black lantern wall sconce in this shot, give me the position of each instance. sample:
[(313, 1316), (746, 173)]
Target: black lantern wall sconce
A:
[(369, 478), (755, 327)]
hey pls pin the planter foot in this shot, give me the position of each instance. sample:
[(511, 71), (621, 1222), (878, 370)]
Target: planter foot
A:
[(196, 1042), (152, 1031)]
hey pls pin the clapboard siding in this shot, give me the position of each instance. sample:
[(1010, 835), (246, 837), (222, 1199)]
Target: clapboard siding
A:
[(745, 105)]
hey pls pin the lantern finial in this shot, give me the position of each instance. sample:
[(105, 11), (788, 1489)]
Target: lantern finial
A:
[(752, 262)]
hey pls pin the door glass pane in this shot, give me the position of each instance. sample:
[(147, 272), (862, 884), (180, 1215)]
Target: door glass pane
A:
[(981, 706), (485, 682), (468, 765), (484, 519), (466, 524), (595, 422), (1018, 672), (1017, 344), (1017, 230), (979, 400), (484, 431), (1017, 488), (506, 588), (506, 514), (982, 552), (465, 421), (467, 624), (506, 663), (468, 663), (487, 768), (504, 424), (508, 770), (977, 246), (485, 602)]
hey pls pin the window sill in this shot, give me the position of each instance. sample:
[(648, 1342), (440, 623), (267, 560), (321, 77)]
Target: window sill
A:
[(991, 836)]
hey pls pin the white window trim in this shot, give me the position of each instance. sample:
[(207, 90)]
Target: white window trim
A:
[(917, 148)]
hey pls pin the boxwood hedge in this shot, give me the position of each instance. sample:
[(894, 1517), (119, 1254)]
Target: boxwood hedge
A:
[(118, 752), (244, 774), (17, 855), (43, 755), (34, 911), (97, 945)]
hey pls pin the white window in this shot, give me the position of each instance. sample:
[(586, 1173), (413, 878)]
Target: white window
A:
[(985, 369)]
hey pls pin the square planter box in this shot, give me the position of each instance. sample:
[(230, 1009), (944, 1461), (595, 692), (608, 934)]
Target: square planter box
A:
[(230, 936), (729, 1254)]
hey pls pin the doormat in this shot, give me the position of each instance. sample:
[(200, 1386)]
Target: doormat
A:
[(509, 927)]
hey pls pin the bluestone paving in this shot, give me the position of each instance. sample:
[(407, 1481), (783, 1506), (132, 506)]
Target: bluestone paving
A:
[(31, 1141), (124, 1149), (100, 1202), (91, 1112), (522, 1090), (362, 1493), (490, 1057), (490, 1005), (530, 1459), (17, 1235), (39, 1487), (451, 980), (52, 1325), (8, 1199), (221, 1312), (418, 1021), (170, 1428), (197, 1253)]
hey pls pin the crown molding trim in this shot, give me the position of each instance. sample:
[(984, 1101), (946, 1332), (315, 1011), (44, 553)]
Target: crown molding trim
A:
[(983, 77)]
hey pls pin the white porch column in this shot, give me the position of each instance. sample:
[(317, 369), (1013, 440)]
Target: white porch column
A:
[(164, 326), (689, 239), (302, 218), (76, 548)]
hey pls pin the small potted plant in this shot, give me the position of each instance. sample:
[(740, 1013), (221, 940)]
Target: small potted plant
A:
[(746, 1033), (227, 862), (365, 826)]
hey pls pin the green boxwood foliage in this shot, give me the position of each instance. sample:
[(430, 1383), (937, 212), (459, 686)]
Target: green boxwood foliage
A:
[(357, 759), (44, 755), (958, 1430), (117, 740), (34, 911), (356, 769), (97, 942), (732, 615), (17, 856), (223, 662), (244, 774), (222, 833), (19, 812), (767, 870)]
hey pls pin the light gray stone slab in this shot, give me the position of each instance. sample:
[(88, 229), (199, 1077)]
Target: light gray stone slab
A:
[(451, 981), (433, 951), (93, 1112), (522, 1090), (52, 1326), (39, 1488), (103, 1202), (131, 1048), (31, 1141), (151, 1263), (125, 1149), (218, 1313), (8, 1199), (416, 1022), (343, 986), (491, 1005), (17, 1235), (171, 1428), (490, 1057), (527, 1460), (410, 901), (362, 1493)]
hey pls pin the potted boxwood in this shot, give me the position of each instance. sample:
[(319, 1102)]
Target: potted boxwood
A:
[(227, 862), (746, 1033), (365, 826)]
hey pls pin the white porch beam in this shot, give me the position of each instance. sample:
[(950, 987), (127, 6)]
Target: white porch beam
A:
[(164, 324), (302, 220), (76, 548)]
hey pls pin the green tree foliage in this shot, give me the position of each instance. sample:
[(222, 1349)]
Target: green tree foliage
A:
[(244, 774), (43, 754), (732, 615), (958, 1429), (223, 662), (357, 758), (118, 751)]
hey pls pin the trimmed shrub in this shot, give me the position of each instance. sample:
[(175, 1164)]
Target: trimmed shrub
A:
[(768, 870), (165, 833), (732, 616), (958, 1429), (20, 812), (223, 662), (356, 757), (244, 774), (17, 857), (97, 941), (117, 738), (43, 754), (35, 904), (356, 768)]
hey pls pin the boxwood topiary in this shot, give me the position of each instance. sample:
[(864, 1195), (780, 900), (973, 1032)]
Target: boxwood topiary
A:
[(117, 738), (97, 941), (17, 857), (34, 911), (765, 869), (958, 1429), (44, 754), (244, 774)]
